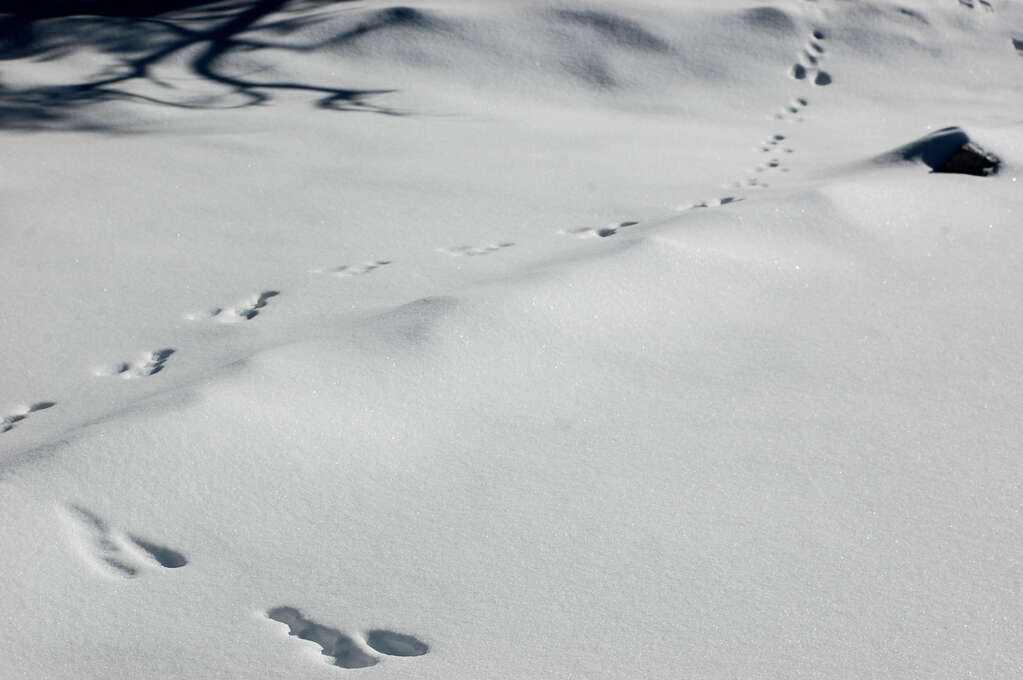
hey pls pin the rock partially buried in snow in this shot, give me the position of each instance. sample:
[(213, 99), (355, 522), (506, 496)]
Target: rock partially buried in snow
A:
[(949, 150), (970, 159)]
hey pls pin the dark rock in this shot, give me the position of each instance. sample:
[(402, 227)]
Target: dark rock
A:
[(947, 150), (970, 159)]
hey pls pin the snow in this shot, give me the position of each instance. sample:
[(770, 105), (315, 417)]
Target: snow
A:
[(549, 360)]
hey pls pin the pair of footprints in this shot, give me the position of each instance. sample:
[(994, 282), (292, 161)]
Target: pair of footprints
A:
[(808, 63), (122, 555), (152, 362), (245, 310), (346, 270), (348, 651), (149, 363), (601, 232), (19, 414), (793, 111), (969, 4), (454, 251)]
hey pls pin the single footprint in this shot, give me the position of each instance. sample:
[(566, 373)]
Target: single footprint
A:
[(344, 650), (1017, 43), (150, 363), (116, 553), (243, 311), (395, 644), (822, 78), (19, 414), (458, 251), (161, 554), (352, 269)]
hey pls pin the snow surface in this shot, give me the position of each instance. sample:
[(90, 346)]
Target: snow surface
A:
[(373, 377)]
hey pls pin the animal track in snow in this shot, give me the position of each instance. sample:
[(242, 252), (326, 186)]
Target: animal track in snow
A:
[(19, 414), (352, 269), (808, 63), (772, 164), (600, 232), (752, 183), (471, 251), (793, 109), (245, 310), (114, 552), (771, 143), (345, 650), (715, 203), (969, 4), (150, 363), (774, 145), (1017, 43)]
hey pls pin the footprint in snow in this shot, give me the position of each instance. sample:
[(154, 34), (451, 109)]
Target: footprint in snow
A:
[(715, 203), (808, 63), (771, 164), (19, 414), (598, 232), (471, 251), (113, 552), (149, 363), (348, 651), (792, 112), (773, 144), (245, 310), (352, 269), (969, 4)]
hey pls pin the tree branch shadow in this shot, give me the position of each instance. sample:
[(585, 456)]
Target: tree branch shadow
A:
[(140, 36)]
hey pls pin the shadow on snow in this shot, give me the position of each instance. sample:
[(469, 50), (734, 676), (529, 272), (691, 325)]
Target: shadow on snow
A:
[(137, 37)]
